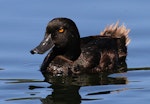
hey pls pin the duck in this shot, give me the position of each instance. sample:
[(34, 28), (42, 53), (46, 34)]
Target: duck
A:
[(70, 54)]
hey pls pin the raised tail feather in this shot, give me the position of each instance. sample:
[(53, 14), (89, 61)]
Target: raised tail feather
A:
[(116, 31)]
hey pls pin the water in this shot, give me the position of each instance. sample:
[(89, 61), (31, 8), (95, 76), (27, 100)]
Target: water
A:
[(22, 25)]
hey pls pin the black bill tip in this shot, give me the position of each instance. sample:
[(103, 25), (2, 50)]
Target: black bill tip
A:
[(33, 52)]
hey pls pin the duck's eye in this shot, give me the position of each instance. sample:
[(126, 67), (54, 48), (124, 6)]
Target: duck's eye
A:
[(61, 30)]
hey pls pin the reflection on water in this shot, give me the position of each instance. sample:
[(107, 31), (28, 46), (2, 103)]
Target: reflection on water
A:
[(63, 95), (83, 80), (66, 89)]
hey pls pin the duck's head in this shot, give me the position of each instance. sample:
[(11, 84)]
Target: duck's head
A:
[(61, 35)]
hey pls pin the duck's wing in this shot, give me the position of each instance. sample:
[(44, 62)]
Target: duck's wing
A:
[(110, 47)]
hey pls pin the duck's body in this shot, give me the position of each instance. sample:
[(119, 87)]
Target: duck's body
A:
[(73, 55)]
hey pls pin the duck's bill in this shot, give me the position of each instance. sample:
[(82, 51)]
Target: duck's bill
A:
[(45, 45)]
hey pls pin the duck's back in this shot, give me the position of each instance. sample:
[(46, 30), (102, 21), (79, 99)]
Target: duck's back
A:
[(98, 53), (104, 52)]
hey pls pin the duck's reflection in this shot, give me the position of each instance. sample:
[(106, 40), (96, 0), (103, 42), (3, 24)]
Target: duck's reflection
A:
[(63, 95), (66, 88)]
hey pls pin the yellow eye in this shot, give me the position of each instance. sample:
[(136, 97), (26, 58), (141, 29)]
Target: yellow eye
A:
[(61, 30)]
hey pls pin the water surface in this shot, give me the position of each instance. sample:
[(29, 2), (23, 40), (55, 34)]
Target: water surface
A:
[(22, 26)]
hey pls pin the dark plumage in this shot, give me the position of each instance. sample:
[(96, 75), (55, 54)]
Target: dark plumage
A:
[(71, 54)]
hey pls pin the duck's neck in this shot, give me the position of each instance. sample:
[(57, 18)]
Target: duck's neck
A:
[(73, 53)]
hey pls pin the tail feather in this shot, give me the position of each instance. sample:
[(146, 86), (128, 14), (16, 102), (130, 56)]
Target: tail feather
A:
[(116, 31)]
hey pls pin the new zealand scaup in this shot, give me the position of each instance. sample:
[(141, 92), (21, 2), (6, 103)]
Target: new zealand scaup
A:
[(69, 54)]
